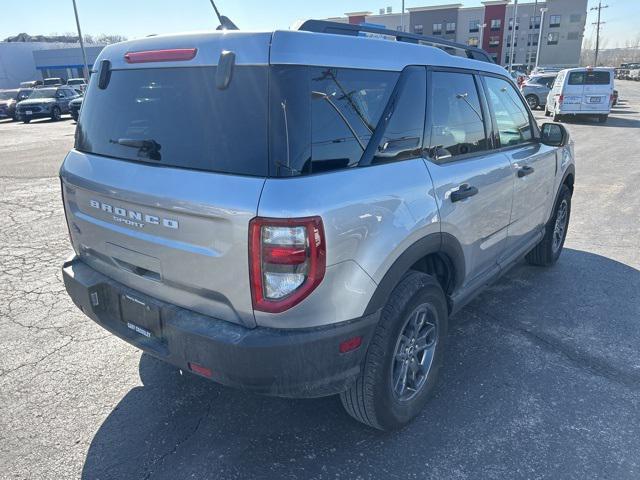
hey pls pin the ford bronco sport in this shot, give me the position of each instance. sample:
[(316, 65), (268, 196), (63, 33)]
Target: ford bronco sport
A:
[(299, 213)]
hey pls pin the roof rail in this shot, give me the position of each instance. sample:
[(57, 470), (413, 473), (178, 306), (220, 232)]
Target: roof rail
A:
[(453, 48)]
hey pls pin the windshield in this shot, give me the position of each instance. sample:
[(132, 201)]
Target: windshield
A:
[(43, 93), (177, 117), (22, 94), (8, 95), (75, 81)]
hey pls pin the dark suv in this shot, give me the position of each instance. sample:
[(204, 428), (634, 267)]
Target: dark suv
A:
[(46, 102)]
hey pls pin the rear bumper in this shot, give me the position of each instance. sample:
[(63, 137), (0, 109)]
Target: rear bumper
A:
[(291, 363)]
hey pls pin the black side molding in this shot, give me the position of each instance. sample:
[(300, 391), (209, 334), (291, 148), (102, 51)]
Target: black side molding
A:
[(434, 243)]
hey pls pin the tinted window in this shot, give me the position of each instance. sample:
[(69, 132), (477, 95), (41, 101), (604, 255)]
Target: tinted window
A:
[(345, 101), (177, 117), (457, 126), (589, 78), (403, 136), (511, 114)]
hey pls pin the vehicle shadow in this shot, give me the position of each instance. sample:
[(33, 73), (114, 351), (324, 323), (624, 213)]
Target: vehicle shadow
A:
[(46, 120), (612, 121), (182, 426)]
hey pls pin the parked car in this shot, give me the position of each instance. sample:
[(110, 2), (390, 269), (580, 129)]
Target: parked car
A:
[(31, 84), (8, 100), (581, 92), (536, 89), (77, 83), (198, 232), (53, 82), (46, 102), (74, 108)]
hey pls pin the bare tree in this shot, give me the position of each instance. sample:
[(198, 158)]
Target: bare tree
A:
[(108, 39)]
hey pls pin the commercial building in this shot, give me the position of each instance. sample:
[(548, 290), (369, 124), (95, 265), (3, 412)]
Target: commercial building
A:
[(492, 25), (25, 61), (64, 62)]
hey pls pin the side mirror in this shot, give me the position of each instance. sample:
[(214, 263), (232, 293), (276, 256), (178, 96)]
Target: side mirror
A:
[(554, 135)]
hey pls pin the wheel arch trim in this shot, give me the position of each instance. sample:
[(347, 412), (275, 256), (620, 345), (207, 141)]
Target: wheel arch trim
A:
[(443, 243)]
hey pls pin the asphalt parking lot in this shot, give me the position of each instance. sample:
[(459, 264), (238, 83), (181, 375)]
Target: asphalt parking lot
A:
[(541, 380)]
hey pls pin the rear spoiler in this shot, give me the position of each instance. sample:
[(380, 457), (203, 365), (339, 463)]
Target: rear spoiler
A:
[(452, 48)]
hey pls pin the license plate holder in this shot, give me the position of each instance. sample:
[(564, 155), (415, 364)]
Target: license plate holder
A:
[(595, 99), (28, 112), (140, 316)]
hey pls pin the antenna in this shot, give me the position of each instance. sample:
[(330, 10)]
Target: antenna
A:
[(225, 22)]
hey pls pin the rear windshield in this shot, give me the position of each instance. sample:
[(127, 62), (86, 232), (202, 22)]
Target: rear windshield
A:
[(589, 78), (177, 117)]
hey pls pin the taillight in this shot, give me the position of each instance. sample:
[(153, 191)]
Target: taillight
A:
[(287, 261), (560, 98)]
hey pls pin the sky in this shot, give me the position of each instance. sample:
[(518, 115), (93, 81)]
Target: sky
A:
[(138, 18)]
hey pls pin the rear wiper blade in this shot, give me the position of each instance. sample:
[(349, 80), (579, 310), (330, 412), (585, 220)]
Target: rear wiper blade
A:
[(148, 148)]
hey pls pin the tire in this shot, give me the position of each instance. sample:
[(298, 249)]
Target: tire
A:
[(56, 114), (547, 252), (26, 120), (602, 118), (547, 113), (74, 116), (557, 117), (533, 101), (372, 399)]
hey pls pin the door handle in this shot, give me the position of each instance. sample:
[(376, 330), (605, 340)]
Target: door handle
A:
[(464, 191), (524, 171)]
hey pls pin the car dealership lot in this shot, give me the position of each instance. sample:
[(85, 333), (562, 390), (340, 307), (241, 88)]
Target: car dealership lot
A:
[(541, 378)]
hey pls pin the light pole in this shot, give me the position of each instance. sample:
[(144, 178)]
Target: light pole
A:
[(542, 10), (85, 68), (481, 28), (402, 17), (513, 34)]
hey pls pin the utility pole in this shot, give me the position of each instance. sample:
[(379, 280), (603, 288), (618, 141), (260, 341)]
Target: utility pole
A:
[(84, 54), (598, 8), (542, 10), (513, 34)]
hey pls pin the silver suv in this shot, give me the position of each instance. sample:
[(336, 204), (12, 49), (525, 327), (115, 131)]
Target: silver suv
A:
[(536, 89), (299, 213)]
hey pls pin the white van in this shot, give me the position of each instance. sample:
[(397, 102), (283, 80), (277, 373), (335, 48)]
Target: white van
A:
[(581, 91)]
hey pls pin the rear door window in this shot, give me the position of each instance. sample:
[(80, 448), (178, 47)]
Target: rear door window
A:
[(457, 122), (177, 117)]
